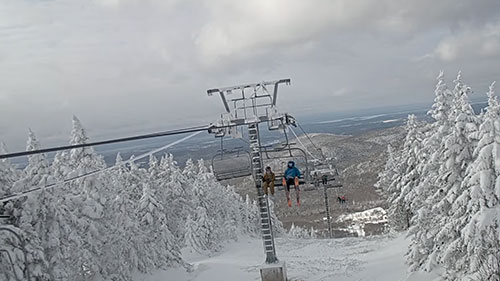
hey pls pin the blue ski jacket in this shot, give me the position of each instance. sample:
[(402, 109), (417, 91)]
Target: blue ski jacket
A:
[(292, 172)]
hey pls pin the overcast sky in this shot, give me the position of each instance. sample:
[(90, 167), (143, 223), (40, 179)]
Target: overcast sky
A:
[(135, 66)]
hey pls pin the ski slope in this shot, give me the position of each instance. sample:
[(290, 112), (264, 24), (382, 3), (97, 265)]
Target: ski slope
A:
[(349, 259)]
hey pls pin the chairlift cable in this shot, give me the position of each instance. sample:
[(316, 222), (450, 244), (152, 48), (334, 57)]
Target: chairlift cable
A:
[(302, 144), (39, 188), (125, 139), (243, 140), (309, 138)]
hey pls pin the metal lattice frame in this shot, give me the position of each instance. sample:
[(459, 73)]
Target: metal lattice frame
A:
[(250, 109)]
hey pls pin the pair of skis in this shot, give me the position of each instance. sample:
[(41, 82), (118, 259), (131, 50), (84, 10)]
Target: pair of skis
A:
[(297, 192)]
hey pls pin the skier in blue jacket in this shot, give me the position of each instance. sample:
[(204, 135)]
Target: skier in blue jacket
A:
[(291, 177)]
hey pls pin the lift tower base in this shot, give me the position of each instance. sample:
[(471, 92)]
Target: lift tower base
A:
[(273, 272)]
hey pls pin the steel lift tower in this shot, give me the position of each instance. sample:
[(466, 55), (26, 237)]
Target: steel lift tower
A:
[(250, 105)]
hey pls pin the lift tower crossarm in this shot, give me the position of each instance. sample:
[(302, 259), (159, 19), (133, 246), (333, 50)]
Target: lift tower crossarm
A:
[(229, 90), (245, 86)]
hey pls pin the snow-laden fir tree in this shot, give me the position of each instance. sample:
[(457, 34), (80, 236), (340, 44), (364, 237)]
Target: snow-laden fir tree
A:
[(430, 154), (312, 233), (207, 194), (192, 236), (456, 155), (476, 211), (402, 187), (177, 194), (231, 226), (429, 158), (163, 251), (59, 167), (275, 222), (121, 218), (443, 101), (36, 173), (206, 227), (108, 225), (190, 170), (87, 197), (251, 217), (443, 171), (8, 177), (390, 170), (31, 214), (298, 232), (8, 173), (134, 179)]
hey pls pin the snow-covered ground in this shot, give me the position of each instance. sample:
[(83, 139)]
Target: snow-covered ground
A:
[(356, 221), (375, 215), (376, 258)]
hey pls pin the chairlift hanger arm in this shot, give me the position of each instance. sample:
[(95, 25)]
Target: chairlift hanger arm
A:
[(275, 93)]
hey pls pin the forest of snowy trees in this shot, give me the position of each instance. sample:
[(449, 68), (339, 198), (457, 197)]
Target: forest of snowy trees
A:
[(107, 226), (444, 186)]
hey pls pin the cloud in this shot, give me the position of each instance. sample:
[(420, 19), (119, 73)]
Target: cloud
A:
[(483, 43), (236, 30), (136, 65), (341, 92)]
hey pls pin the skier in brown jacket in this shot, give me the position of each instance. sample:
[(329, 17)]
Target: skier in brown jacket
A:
[(268, 181)]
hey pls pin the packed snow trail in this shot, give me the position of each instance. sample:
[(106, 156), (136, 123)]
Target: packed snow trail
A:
[(350, 259)]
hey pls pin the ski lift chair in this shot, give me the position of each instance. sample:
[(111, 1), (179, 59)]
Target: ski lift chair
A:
[(230, 164), (278, 156), (6, 254), (6, 258), (332, 174)]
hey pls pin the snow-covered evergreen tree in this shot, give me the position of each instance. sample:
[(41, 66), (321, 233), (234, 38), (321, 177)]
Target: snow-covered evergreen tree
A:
[(177, 195), (476, 211), (206, 228), (275, 222), (231, 216), (191, 236), (108, 225), (158, 240), (190, 170), (251, 216), (30, 213), (123, 228), (208, 194), (442, 102), (456, 155), (385, 177), (443, 172), (86, 199), (299, 232), (134, 179), (429, 158), (402, 188), (36, 173), (312, 233), (8, 173), (59, 166)]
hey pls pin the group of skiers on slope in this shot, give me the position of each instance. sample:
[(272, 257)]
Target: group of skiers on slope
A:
[(290, 178)]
